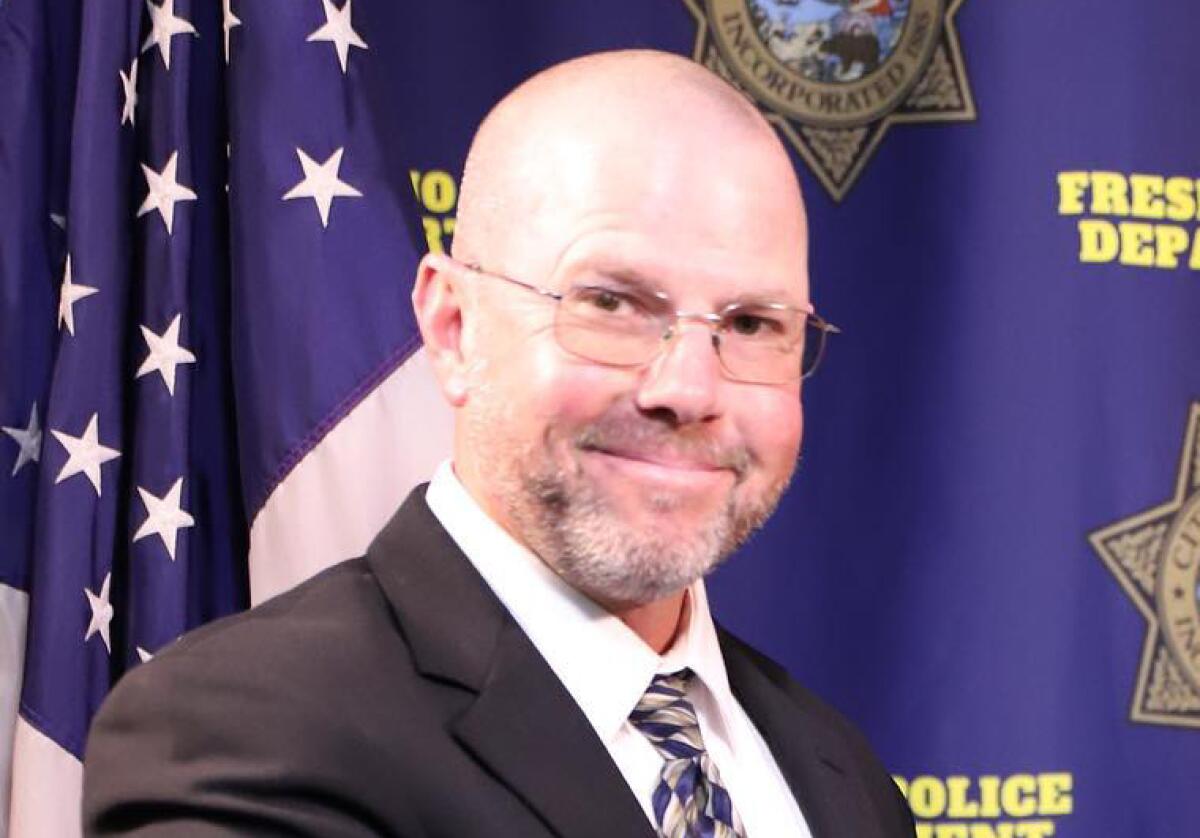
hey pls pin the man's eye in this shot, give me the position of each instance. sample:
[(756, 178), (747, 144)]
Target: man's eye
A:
[(745, 324), (748, 324), (607, 301)]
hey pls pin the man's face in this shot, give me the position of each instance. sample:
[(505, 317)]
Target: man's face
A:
[(632, 482)]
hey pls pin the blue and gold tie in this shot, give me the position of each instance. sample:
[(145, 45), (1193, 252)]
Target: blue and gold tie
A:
[(689, 801)]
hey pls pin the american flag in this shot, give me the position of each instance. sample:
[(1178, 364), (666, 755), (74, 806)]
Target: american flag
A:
[(211, 383)]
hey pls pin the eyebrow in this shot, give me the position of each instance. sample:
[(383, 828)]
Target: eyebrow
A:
[(634, 279), (764, 297), (628, 277)]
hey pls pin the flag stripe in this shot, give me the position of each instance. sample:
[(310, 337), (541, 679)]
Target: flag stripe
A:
[(14, 610), (342, 493), (47, 785)]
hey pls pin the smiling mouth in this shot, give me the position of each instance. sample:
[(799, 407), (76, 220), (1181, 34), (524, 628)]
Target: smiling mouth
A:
[(662, 454), (664, 472), (664, 460)]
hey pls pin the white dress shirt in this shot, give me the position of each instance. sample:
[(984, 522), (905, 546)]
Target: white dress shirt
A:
[(606, 667)]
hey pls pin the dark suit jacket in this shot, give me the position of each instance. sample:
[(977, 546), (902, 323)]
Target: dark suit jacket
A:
[(395, 695)]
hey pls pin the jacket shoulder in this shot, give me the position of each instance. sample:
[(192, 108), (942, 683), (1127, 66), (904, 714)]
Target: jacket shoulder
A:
[(335, 627), (289, 690), (335, 595)]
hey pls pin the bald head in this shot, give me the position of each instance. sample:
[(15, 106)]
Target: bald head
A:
[(651, 119), (628, 185)]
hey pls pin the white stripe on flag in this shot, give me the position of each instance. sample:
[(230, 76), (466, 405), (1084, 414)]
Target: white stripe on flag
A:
[(330, 506), (47, 787), (14, 609)]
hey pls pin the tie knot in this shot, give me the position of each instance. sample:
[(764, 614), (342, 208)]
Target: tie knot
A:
[(667, 718)]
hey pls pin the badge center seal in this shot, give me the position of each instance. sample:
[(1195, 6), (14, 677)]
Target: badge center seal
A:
[(1177, 602), (833, 75), (846, 69)]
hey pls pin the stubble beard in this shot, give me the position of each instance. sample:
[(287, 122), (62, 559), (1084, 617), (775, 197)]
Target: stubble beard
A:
[(576, 529)]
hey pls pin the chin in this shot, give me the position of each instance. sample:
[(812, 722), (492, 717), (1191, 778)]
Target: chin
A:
[(667, 511)]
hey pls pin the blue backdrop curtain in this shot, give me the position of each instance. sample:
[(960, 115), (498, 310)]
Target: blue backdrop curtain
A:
[(989, 556)]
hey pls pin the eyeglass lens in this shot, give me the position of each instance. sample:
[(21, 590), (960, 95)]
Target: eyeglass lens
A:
[(755, 343)]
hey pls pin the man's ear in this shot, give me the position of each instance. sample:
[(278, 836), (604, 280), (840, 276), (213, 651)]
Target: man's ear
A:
[(438, 303)]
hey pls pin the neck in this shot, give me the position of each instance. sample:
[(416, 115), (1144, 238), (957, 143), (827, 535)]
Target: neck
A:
[(657, 623)]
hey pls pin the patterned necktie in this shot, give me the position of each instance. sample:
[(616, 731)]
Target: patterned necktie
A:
[(689, 801)]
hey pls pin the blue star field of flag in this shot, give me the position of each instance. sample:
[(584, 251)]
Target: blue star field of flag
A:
[(204, 261)]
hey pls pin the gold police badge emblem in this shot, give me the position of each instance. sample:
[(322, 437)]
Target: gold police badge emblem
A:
[(1155, 555), (834, 75)]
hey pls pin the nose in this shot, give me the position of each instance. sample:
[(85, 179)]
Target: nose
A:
[(685, 380)]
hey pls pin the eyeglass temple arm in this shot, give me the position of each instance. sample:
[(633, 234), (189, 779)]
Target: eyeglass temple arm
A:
[(545, 292)]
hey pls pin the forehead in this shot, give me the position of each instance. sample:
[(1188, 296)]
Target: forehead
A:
[(696, 203)]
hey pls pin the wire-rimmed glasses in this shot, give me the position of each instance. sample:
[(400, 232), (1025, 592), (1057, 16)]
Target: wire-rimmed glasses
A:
[(625, 326)]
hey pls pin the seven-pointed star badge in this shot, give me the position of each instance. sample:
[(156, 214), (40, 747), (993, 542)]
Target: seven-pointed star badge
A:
[(834, 75), (1155, 555)]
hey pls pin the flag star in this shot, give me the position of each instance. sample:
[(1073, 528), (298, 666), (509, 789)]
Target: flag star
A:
[(338, 30), (129, 86), (59, 220), (69, 294), (102, 613), (229, 23), (143, 655), (321, 183), (29, 440), (85, 454), (165, 191), (165, 25), (165, 354), (164, 517)]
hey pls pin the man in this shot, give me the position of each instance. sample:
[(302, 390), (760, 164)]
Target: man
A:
[(526, 649)]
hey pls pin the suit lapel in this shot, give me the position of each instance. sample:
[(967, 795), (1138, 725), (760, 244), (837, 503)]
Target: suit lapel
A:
[(526, 728), (523, 725), (812, 759)]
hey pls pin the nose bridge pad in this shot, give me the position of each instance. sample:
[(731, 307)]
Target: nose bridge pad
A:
[(699, 319)]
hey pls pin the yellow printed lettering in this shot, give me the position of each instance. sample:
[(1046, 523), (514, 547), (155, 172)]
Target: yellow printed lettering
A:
[(1109, 194), (1054, 793), (1169, 242), (1018, 795), (1135, 244), (1147, 196), (927, 797), (958, 793), (989, 796), (950, 830), (987, 830), (438, 192), (433, 233), (1180, 193), (1071, 186), (1098, 240)]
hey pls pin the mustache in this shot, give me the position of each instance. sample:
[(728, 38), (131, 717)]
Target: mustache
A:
[(651, 440)]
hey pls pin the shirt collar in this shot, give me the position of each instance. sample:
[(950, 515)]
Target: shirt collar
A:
[(603, 664)]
